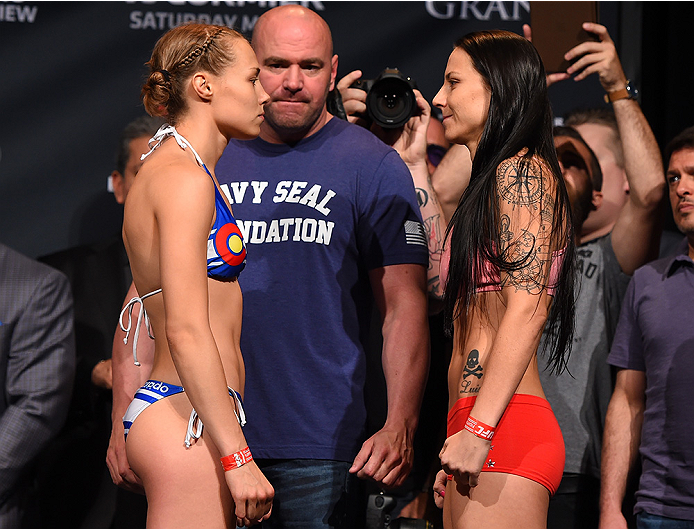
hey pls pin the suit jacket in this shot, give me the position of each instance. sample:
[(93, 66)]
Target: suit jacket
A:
[(37, 366), (99, 276)]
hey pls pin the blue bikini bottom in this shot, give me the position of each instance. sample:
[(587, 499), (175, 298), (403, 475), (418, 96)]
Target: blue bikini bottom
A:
[(155, 390)]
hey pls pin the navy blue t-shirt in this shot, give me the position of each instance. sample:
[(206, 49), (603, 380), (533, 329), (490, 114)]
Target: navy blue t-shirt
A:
[(316, 217)]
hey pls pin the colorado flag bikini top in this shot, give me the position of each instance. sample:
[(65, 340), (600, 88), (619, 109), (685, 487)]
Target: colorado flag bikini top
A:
[(226, 251)]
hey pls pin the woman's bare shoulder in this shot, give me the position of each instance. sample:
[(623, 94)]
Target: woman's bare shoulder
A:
[(522, 181), (535, 166), (170, 177)]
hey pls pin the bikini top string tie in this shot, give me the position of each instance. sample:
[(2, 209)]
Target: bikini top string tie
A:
[(143, 313), (165, 131)]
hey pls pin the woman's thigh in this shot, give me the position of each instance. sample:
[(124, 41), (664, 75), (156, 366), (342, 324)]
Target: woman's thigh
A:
[(185, 487), (499, 501)]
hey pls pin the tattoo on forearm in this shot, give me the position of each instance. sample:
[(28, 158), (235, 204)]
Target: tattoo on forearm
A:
[(431, 228), (434, 285), (422, 197)]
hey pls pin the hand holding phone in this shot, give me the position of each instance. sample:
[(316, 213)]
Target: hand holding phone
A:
[(557, 27), (597, 57)]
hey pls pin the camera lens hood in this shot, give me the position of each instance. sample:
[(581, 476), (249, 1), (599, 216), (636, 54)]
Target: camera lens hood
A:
[(390, 101)]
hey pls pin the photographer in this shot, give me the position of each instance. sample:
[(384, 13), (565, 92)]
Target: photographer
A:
[(410, 140), (422, 146)]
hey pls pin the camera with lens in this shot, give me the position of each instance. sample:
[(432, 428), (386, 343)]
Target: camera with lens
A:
[(378, 515), (390, 101)]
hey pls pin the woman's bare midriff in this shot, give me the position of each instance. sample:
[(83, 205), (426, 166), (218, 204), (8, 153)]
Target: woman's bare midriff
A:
[(225, 322), (469, 359)]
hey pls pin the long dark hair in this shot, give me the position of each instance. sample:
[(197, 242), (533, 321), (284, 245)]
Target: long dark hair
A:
[(519, 121)]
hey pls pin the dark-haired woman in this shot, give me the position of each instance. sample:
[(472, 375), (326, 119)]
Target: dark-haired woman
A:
[(508, 263), (186, 252)]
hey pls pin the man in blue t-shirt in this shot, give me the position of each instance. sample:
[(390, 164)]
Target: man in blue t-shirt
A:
[(331, 222), (650, 412)]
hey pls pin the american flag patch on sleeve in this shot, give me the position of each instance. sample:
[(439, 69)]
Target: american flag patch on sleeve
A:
[(414, 233)]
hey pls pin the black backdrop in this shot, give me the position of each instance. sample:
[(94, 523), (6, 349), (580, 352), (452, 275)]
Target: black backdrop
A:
[(70, 74)]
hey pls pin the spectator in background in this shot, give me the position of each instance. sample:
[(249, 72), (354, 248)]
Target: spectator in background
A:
[(581, 172), (650, 413), (437, 144), (575, 395), (99, 276), (599, 128), (416, 499), (422, 145), (422, 154), (620, 233), (133, 143), (622, 140), (37, 367)]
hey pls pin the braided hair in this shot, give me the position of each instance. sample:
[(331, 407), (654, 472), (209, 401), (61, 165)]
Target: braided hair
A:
[(178, 54)]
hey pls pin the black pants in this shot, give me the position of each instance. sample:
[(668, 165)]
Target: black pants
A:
[(576, 505)]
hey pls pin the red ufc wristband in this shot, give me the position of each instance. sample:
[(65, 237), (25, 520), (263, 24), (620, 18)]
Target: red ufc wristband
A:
[(481, 430), (237, 459)]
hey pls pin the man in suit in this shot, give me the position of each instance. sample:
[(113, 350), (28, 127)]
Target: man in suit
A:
[(37, 367)]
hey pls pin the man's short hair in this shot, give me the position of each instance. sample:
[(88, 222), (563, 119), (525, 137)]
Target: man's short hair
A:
[(599, 116), (142, 126), (684, 140), (592, 163)]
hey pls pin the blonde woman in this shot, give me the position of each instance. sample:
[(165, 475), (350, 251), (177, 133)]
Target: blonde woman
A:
[(186, 252)]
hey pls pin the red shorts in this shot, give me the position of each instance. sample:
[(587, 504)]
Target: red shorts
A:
[(527, 441)]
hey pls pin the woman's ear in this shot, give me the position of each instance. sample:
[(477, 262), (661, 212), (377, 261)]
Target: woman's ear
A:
[(202, 86), (597, 200)]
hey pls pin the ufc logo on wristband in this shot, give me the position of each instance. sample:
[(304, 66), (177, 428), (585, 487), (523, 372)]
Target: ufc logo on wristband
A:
[(237, 459), (481, 430)]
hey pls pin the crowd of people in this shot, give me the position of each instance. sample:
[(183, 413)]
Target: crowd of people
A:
[(274, 256)]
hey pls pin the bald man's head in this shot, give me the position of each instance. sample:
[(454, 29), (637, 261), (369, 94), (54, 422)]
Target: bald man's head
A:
[(288, 14), (297, 68)]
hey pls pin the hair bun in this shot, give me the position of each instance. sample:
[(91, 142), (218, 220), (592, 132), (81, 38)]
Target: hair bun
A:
[(156, 92), (177, 55)]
